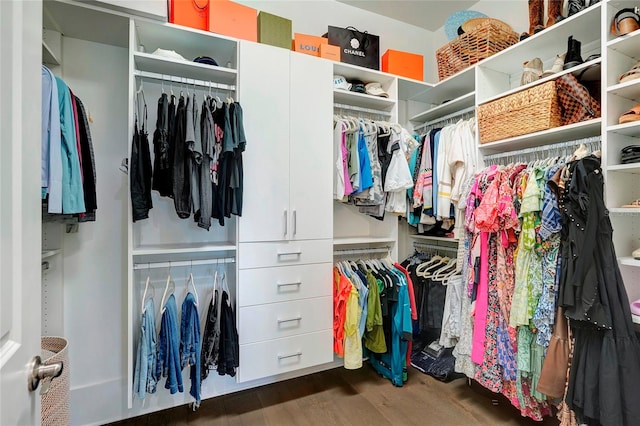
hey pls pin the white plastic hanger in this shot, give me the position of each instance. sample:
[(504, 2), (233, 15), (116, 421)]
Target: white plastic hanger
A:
[(193, 285), (144, 295), (425, 265), (166, 288)]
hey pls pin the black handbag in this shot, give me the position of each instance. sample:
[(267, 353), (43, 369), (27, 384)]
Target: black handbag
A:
[(356, 47)]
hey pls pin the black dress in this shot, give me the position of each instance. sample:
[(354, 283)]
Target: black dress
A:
[(604, 382)]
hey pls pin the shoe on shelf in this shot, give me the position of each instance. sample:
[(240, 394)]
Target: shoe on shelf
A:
[(573, 56), (631, 115), (557, 66), (635, 204), (632, 74), (636, 254), (531, 71), (635, 307)]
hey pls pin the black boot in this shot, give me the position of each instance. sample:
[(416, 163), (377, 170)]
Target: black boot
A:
[(573, 57)]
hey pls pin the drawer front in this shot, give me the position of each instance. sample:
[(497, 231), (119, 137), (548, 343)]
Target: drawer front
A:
[(270, 285), (264, 359), (264, 255), (276, 320)]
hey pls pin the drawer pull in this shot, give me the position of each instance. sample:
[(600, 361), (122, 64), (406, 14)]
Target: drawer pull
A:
[(290, 253), (296, 283), (299, 353), (298, 318)]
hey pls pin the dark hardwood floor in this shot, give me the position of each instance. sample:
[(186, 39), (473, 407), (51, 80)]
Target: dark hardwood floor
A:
[(343, 397)]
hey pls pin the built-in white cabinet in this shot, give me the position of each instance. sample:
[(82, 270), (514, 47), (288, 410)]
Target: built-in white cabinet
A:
[(287, 166), (311, 163), (266, 212), (286, 229)]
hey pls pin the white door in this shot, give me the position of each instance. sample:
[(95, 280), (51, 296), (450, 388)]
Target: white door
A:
[(311, 167), (264, 95), (20, 223)]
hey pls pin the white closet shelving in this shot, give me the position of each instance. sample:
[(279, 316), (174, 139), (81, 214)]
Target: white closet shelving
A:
[(352, 229), (622, 181), (163, 239)]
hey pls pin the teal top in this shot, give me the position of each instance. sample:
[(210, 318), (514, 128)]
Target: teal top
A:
[(72, 193)]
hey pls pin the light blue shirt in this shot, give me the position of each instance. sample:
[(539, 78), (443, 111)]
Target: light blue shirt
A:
[(51, 165), (72, 193)]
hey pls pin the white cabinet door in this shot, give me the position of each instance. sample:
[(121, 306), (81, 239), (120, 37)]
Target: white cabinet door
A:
[(311, 147), (20, 222), (264, 95)]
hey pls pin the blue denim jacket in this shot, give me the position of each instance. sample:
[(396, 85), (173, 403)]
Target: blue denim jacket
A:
[(190, 344), (145, 378), (169, 348)]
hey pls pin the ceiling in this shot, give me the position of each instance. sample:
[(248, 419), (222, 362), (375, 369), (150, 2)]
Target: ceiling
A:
[(428, 14)]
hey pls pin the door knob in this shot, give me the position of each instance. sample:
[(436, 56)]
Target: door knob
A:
[(39, 371)]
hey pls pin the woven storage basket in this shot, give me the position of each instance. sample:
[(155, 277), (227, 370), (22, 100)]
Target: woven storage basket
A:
[(528, 111), (469, 48), (55, 408)]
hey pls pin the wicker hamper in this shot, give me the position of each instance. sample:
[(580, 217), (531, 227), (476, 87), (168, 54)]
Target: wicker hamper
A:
[(55, 409), (469, 48), (528, 111)]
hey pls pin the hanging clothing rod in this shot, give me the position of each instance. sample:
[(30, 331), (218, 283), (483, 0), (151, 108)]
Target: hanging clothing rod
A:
[(360, 109), (545, 148), (154, 265), (348, 252), (442, 119), (418, 246), (183, 80)]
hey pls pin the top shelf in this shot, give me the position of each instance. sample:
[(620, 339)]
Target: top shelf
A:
[(178, 68), (583, 26), (188, 42), (453, 87), (351, 72)]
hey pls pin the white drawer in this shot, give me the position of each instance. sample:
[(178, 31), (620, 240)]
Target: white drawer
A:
[(277, 320), (263, 255), (269, 285), (258, 360)]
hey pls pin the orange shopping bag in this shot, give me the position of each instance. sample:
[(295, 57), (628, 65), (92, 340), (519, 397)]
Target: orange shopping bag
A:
[(190, 13)]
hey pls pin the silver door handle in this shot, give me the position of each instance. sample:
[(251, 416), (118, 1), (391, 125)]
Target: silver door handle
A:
[(286, 222), (299, 353), (289, 253), (296, 283), (298, 318), (295, 223), (39, 372)]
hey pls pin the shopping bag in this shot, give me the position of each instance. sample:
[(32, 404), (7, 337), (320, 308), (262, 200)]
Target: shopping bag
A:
[(356, 47), (190, 13)]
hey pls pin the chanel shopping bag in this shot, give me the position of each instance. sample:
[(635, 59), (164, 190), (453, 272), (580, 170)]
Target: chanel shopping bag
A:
[(356, 47)]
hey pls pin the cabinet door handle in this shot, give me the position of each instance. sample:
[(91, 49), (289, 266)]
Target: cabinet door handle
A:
[(289, 253), (296, 283), (286, 222), (299, 353), (295, 222), (298, 318)]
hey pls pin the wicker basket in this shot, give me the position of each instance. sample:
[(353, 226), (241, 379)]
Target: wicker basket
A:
[(485, 40), (55, 409), (528, 111)]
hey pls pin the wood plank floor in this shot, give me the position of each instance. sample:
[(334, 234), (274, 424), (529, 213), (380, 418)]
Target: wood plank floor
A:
[(350, 398)]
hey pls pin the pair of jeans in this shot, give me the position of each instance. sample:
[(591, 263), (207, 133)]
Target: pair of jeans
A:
[(169, 348), (145, 377), (190, 344)]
